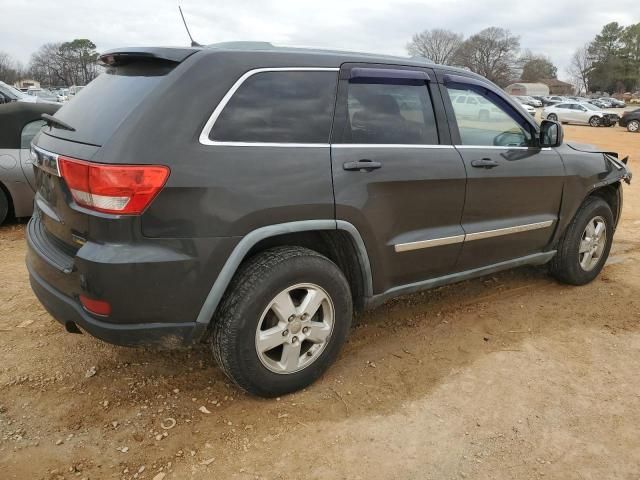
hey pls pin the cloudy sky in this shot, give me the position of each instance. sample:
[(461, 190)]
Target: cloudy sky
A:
[(553, 28)]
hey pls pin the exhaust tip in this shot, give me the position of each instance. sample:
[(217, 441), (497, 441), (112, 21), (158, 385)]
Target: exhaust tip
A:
[(71, 327)]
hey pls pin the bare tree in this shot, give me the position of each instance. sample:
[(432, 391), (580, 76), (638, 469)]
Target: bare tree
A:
[(69, 63), (536, 67), (491, 53), (580, 67), (438, 45), (10, 69)]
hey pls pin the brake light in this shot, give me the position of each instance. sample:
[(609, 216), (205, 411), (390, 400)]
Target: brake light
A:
[(119, 189)]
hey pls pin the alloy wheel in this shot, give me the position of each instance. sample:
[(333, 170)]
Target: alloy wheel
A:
[(295, 328), (594, 121), (553, 117), (592, 243), (633, 126)]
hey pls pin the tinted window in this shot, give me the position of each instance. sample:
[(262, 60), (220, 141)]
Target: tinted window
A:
[(281, 107), (29, 131), (108, 100), (483, 122), (390, 114)]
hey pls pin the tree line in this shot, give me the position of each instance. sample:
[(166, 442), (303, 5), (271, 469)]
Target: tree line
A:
[(55, 64), (609, 63), (493, 53)]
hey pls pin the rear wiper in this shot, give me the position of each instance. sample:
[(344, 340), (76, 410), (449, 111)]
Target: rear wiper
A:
[(51, 120)]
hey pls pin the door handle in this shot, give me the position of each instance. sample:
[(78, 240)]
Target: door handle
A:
[(363, 165), (484, 163)]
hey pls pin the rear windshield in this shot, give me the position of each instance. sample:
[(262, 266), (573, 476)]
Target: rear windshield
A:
[(97, 111)]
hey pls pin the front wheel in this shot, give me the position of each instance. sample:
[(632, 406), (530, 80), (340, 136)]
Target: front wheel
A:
[(633, 126), (594, 121), (553, 117), (585, 245), (283, 321)]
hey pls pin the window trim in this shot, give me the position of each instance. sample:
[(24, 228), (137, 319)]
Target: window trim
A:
[(345, 80), (206, 131)]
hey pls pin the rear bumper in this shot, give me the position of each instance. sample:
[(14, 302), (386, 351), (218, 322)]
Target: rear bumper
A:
[(70, 313), (151, 288)]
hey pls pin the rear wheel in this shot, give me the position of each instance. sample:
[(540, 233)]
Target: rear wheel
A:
[(283, 321), (594, 121), (4, 207), (553, 117), (633, 126), (585, 245)]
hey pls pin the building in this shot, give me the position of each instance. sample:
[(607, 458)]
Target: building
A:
[(26, 83), (521, 88), (558, 87)]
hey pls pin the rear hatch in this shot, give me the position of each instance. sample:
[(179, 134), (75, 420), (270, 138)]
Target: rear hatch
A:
[(85, 198)]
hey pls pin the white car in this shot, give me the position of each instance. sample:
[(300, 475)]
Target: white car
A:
[(472, 105), (530, 110), (527, 100), (581, 113)]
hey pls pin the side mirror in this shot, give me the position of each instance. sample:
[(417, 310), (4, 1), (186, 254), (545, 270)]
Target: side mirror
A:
[(551, 134)]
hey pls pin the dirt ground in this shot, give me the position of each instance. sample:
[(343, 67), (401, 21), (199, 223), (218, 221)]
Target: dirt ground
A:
[(505, 377)]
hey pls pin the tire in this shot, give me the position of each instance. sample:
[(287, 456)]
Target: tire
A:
[(553, 117), (595, 121), (633, 126), (567, 265), (4, 206), (249, 309)]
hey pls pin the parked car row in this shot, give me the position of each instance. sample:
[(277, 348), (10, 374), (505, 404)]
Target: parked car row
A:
[(603, 102)]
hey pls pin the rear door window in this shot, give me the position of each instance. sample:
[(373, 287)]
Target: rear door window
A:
[(279, 107), (387, 113)]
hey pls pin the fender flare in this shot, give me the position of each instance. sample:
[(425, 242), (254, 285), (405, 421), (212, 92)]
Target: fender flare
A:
[(252, 238)]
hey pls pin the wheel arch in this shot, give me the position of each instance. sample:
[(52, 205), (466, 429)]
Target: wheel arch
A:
[(612, 194), (308, 233)]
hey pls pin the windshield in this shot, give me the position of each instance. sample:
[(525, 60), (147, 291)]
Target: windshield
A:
[(14, 91), (588, 106)]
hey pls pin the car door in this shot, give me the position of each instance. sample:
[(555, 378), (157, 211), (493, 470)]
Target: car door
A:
[(397, 178), (514, 187), (563, 112), (582, 115)]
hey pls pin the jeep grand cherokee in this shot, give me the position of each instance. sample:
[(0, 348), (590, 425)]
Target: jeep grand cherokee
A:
[(253, 197)]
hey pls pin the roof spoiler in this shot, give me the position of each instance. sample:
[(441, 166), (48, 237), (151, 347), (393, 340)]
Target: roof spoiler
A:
[(122, 56)]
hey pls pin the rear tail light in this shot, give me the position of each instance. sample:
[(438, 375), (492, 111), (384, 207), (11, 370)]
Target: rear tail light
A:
[(119, 189), (97, 307)]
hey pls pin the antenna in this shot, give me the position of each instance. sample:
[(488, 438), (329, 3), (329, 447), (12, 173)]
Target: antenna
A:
[(193, 42)]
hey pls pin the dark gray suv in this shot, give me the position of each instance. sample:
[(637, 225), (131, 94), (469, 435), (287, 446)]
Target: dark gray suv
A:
[(253, 197)]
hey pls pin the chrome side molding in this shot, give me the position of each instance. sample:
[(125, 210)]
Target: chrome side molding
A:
[(438, 242)]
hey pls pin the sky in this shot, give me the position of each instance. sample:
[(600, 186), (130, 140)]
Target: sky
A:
[(554, 29)]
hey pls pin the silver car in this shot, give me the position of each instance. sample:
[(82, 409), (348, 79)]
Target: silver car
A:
[(581, 113), (19, 123)]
